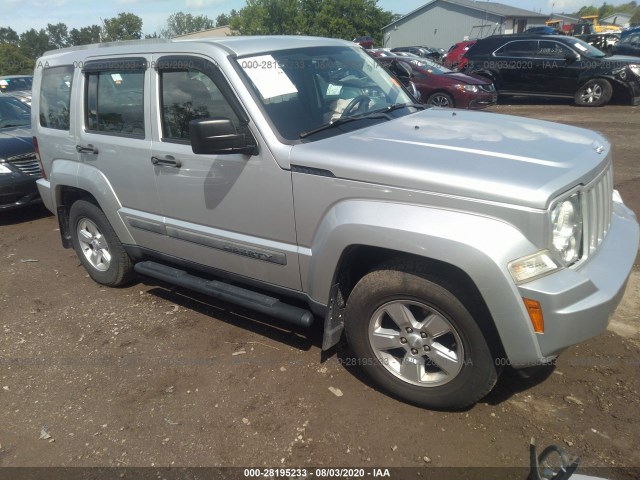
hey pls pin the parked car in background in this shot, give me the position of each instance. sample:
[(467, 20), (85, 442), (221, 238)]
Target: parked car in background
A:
[(423, 52), (19, 168), (455, 54), (365, 42), (629, 44), (441, 87), (18, 86), (555, 66)]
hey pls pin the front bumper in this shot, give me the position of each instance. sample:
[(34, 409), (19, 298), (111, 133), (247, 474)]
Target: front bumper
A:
[(17, 190), (577, 303)]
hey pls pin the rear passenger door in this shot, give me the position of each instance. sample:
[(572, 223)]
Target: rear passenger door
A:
[(514, 62), (115, 139), (232, 212)]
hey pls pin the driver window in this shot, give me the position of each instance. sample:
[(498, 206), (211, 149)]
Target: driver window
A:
[(190, 95)]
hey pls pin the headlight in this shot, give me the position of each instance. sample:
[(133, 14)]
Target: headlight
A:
[(467, 88), (566, 226), (4, 169), (635, 69)]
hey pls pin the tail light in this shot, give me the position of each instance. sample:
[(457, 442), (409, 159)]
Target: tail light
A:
[(37, 149)]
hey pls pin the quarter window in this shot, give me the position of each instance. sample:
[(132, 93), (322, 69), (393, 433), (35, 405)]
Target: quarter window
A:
[(189, 94), (55, 97), (549, 49), (115, 102)]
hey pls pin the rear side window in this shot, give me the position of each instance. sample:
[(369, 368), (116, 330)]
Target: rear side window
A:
[(55, 97), (521, 48), (114, 102)]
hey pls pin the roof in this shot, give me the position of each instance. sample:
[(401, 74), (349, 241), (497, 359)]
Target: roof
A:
[(495, 8), (238, 45)]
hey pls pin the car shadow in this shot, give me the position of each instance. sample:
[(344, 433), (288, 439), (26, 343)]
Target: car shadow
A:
[(24, 214)]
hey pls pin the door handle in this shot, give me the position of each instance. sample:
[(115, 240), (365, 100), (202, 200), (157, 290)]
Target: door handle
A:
[(88, 149), (167, 161)]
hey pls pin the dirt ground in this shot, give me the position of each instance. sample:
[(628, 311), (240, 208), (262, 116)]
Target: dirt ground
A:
[(152, 376)]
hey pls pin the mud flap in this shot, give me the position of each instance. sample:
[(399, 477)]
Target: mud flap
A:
[(63, 222), (334, 320)]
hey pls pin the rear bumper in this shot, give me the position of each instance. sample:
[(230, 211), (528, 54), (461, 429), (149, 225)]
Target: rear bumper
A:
[(577, 303), (44, 187)]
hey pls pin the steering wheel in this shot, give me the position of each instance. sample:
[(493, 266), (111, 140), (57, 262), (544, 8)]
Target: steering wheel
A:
[(361, 102)]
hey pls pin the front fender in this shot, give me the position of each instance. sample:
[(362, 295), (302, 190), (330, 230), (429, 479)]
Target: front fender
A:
[(480, 246)]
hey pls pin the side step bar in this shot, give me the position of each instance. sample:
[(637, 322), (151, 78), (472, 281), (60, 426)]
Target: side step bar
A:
[(228, 293)]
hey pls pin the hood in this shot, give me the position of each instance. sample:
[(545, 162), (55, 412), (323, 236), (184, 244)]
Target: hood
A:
[(479, 155), (15, 141), (464, 78)]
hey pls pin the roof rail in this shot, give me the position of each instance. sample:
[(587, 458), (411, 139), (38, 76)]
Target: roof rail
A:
[(144, 41)]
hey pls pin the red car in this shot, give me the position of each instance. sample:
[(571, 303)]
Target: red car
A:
[(455, 56), (441, 87)]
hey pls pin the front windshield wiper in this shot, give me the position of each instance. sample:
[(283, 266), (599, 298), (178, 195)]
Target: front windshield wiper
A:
[(343, 120), (382, 113)]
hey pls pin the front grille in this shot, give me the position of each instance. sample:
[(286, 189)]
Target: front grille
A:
[(599, 206), (487, 88), (27, 163)]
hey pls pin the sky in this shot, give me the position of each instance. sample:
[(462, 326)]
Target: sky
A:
[(22, 15)]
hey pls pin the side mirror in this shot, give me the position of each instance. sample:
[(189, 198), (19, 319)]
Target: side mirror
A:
[(219, 136), (571, 57)]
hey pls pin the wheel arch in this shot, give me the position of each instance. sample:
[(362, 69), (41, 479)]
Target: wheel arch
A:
[(472, 250), (358, 260)]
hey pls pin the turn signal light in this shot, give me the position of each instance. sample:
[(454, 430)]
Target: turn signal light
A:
[(535, 314)]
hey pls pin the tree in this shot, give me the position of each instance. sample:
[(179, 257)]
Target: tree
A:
[(8, 35), (13, 61), (268, 17), (85, 35), (181, 23), (126, 26), (635, 19), (330, 18), (58, 35), (587, 10), (33, 43), (224, 19)]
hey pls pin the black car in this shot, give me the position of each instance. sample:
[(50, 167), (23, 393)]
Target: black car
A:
[(19, 168), (555, 66), (629, 44)]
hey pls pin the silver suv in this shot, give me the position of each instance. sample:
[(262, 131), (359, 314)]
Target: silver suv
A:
[(294, 176)]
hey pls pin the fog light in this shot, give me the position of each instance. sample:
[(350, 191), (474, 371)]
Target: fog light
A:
[(535, 314)]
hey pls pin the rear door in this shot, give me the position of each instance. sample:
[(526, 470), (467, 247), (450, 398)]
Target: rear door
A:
[(514, 64), (115, 140)]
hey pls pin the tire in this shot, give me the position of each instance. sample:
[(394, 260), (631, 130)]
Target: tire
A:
[(594, 93), (98, 246), (417, 341), (440, 99)]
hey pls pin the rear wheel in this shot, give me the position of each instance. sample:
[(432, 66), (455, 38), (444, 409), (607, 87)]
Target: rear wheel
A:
[(440, 99), (98, 246), (594, 93), (417, 340)]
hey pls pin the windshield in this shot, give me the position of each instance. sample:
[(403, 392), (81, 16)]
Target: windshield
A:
[(15, 84), (306, 88), (13, 113), (429, 66), (586, 49)]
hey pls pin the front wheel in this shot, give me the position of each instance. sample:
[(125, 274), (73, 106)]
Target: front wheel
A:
[(417, 340), (97, 245), (594, 93), (441, 100)]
